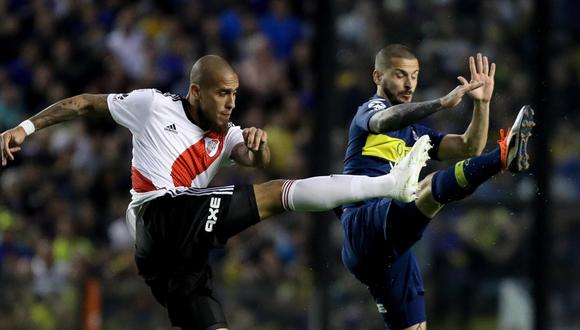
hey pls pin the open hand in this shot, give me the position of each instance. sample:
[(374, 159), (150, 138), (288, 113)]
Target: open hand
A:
[(480, 71)]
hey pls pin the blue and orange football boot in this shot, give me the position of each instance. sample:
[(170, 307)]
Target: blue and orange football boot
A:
[(513, 145)]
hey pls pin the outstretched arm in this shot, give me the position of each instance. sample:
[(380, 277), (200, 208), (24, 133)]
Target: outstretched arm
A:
[(64, 110), (254, 151), (472, 141), (405, 114), (70, 108)]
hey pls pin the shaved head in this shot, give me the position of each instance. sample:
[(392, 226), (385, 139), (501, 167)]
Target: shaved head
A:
[(384, 57), (213, 86), (208, 69)]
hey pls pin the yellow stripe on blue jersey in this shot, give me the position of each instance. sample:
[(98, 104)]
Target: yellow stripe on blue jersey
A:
[(385, 147), (374, 154)]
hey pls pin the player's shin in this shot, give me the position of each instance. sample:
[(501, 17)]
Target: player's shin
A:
[(461, 180), (327, 192)]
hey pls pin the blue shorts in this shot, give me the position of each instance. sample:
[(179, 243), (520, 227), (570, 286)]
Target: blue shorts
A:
[(376, 249)]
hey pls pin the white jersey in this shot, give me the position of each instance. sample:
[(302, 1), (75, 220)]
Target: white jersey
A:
[(170, 153)]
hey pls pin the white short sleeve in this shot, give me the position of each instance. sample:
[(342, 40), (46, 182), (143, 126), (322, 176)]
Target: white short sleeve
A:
[(131, 110), (233, 138)]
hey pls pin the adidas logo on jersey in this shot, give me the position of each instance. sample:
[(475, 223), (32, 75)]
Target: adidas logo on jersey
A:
[(171, 128), (214, 208)]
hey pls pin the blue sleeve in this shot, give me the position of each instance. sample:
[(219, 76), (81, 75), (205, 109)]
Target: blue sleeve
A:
[(435, 136), (366, 111)]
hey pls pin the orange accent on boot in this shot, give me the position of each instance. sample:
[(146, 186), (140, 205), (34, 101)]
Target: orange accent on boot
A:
[(503, 147)]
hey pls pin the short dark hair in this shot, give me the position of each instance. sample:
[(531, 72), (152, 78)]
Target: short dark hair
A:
[(384, 56)]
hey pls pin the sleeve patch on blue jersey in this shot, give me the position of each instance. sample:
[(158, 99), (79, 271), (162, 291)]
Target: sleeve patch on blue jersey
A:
[(377, 105)]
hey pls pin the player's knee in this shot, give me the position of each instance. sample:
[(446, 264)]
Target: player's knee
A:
[(269, 198), (425, 202), (425, 184)]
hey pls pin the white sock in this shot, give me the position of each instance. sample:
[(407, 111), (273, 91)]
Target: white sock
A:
[(323, 193)]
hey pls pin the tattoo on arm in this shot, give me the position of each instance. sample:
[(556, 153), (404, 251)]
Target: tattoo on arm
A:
[(70, 108), (402, 115)]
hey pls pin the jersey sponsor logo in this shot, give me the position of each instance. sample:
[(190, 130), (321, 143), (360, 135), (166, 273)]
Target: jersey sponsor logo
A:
[(171, 128), (385, 147), (211, 146), (214, 208), (382, 308), (377, 105)]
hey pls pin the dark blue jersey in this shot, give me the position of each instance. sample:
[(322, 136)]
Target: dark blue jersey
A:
[(374, 154)]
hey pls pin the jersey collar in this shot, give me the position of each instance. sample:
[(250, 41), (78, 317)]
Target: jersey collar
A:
[(185, 105)]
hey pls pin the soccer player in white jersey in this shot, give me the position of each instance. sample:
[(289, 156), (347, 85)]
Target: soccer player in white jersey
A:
[(179, 143)]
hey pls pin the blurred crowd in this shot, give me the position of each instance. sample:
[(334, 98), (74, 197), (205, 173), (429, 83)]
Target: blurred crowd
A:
[(62, 202)]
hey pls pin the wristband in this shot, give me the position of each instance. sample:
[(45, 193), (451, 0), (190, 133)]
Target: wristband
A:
[(28, 127)]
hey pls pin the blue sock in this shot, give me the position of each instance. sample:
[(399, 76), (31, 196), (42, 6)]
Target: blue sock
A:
[(461, 180)]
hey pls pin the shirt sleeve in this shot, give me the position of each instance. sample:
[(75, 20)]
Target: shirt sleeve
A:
[(364, 114), (435, 137), (131, 110), (233, 138)]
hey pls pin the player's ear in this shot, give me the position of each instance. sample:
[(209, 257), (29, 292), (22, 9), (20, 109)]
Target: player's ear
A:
[(377, 76), (195, 90)]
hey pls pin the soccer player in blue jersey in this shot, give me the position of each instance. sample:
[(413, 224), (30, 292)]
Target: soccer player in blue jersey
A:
[(378, 233)]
